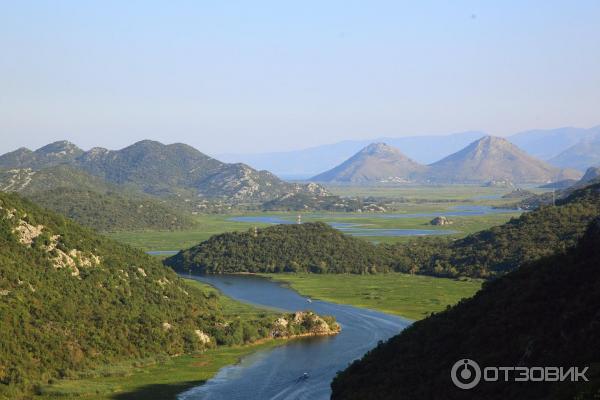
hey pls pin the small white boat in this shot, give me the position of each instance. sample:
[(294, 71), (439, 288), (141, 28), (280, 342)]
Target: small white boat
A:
[(308, 300)]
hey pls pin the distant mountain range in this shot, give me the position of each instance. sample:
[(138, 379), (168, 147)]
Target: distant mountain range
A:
[(487, 159), (159, 169), (301, 164), (582, 155), (542, 144), (494, 159)]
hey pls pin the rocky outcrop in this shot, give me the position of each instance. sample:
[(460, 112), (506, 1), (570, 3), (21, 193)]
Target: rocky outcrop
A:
[(61, 257), (440, 221), (304, 323), (202, 337)]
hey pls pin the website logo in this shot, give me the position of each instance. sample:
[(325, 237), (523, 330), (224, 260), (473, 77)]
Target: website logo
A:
[(466, 374)]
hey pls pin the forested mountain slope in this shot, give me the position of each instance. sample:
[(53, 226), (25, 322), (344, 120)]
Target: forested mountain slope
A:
[(500, 249), (71, 300), (92, 201), (545, 313)]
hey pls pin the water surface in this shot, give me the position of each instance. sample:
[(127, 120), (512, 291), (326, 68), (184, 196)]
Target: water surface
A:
[(357, 229), (274, 374)]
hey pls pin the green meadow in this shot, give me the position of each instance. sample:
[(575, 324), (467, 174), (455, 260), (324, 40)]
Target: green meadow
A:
[(407, 200), (215, 224), (151, 380), (410, 296)]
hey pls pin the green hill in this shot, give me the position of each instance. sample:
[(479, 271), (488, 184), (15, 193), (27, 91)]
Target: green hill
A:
[(500, 249), (543, 314), (111, 211), (71, 300), (314, 247), (92, 201)]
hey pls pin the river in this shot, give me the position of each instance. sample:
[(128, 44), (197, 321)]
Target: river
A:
[(274, 374)]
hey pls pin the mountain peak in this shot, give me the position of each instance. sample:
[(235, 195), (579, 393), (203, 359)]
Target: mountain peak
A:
[(492, 158), (490, 141), (377, 162), (380, 147), (58, 148)]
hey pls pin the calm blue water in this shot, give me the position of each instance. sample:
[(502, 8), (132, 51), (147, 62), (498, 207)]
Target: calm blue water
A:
[(162, 252), (359, 230), (273, 374)]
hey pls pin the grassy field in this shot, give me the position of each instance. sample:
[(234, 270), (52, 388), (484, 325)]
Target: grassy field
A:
[(208, 225), (205, 227), (155, 381), (213, 224), (431, 193), (160, 379), (409, 296)]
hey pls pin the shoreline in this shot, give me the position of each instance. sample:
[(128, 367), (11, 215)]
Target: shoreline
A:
[(157, 379)]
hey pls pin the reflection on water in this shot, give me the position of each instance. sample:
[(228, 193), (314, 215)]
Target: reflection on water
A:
[(276, 373)]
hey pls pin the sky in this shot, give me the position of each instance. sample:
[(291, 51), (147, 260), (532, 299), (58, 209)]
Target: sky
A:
[(256, 76)]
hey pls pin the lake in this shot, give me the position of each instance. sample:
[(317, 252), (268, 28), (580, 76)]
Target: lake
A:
[(358, 229), (274, 374)]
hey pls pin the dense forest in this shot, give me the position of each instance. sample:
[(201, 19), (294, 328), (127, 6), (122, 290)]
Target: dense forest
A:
[(313, 247), (71, 300), (500, 249), (545, 313), (110, 211), (316, 247)]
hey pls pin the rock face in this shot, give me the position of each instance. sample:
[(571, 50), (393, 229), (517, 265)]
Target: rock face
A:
[(494, 159), (440, 221), (377, 162), (304, 323)]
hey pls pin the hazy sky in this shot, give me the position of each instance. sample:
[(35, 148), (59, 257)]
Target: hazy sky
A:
[(249, 76)]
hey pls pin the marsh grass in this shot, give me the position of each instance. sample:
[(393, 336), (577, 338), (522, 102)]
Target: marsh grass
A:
[(410, 296)]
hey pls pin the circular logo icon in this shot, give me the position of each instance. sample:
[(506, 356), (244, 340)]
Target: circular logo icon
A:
[(465, 374)]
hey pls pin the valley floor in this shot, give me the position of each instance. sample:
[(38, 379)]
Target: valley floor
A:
[(209, 225), (409, 296)]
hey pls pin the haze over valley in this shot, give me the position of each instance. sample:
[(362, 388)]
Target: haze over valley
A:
[(299, 200)]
